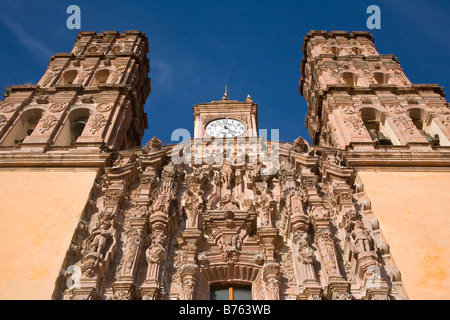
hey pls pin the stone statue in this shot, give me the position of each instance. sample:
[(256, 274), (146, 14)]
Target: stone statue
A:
[(101, 237), (227, 174), (162, 202), (361, 236)]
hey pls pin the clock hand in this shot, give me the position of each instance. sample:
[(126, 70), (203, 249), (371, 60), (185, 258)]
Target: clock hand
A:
[(232, 132)]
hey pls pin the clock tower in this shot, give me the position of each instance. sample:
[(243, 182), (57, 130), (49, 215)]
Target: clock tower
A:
[(226, 118)]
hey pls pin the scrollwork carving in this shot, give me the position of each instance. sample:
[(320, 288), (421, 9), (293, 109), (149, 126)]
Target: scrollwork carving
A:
[(98, 122), (47, 123)]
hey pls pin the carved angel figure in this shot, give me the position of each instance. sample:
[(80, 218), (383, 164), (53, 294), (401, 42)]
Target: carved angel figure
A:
[(101, 237)]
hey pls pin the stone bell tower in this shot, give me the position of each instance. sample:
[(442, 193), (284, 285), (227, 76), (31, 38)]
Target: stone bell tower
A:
[(92, 97), (357, 96), (395, 136), (56, 137)]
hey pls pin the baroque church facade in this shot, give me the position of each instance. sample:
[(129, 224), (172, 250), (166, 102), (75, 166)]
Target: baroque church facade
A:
[(358, 214)]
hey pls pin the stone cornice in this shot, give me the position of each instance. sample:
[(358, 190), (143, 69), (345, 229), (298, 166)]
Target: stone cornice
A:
[(373, 88), (33, 160), (334, 34), (401, 160)]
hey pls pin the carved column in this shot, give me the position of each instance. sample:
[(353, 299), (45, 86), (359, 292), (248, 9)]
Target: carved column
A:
[(189, 270), (136, 238), (271, 269), (305, 262), (271, 278), (193, 201), (338, 288), (161, 211), (155, 255), (100, 245)]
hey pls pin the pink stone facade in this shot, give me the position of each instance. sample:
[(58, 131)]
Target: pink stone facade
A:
[(154, 229)]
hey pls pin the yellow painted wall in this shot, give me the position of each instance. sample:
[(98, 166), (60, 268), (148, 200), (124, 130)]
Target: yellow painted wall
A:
[(414, 213), (39, 211)]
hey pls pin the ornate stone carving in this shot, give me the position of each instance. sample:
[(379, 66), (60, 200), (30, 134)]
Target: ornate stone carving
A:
[(405, 124), (113, 197), (104, 107), (400, 76), (48, 78), (369, 76), (122, 295), (265, 205), (138, 212), (325, 242), (3, 121), (334, 159), (228, 202), (324, 49), (98, 122), (361, 237), (336, 76), (101, 236), (442, 109), (97, 246), (117, 74), (81, 77), (305, 254), (227, 175), (87, 98), (366, 100), (9, 107), (349, 109), (189, 278), (355, 124), (271, 276), (394, 108), (135, 240), (42, 99), (309, 182), (155, 252), (300, 145), (154, 145), (319, 212), (287, 268), (294, 202), (47, 123), (57, 107), (155, 230), (341, 295), (369, 49), (194, 204), (163, 201)]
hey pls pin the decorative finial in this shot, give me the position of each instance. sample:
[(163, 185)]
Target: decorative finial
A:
[(225, 94), (249, 98)]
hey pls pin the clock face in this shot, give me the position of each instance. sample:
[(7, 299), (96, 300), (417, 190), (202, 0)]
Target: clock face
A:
[(225, 128)]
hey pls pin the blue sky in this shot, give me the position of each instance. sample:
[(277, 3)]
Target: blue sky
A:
[(196, 47)]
